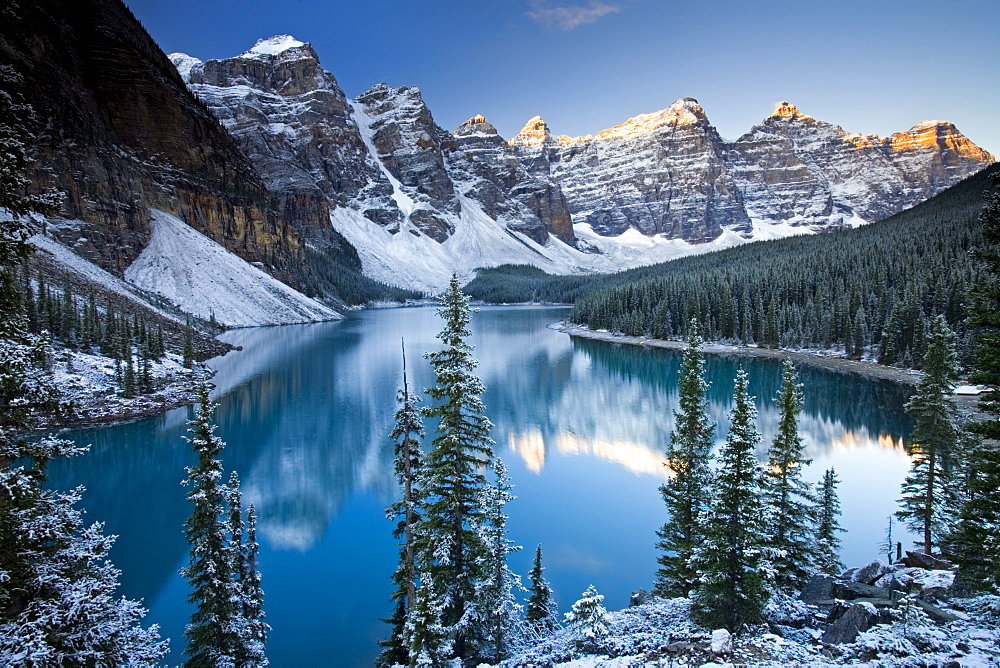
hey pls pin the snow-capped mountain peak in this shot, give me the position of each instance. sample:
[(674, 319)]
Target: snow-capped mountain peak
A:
[(184, 64), (272, 46), (534, 133), (475, 125), (788, 110)]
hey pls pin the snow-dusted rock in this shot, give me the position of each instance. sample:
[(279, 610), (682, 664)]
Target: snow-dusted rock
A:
[(722, 642), (870, 573), (205, 279)]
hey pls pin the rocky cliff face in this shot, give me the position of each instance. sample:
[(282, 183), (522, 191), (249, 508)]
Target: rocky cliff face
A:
[(663, 173), (293, 121), (381, 155), (120, 134), (670, 173)]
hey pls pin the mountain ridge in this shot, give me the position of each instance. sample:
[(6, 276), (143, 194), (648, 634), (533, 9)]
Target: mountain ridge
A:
[(658, 185)]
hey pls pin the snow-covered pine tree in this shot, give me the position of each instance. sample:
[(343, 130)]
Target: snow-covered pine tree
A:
[(985, 314), (406, 433), (828, 526), (731, 590), (450, 551), (253, 595), (975, 541), (686, 493), (590, 619), (935, 435), (57, 586), (249, 643), (541, 612), (498, 614), (213, 633), (790, 501), (429, 641)]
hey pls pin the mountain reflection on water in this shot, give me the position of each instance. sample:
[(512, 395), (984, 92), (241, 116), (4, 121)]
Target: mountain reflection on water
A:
[(306, 411)]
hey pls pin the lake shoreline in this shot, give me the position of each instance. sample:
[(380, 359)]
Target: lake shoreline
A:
[(967, 404), (826, 362)]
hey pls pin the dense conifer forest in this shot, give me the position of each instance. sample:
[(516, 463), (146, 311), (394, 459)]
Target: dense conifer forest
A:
[(867, 291)]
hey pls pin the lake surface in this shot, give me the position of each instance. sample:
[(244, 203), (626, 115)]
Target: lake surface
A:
[(582, 425)]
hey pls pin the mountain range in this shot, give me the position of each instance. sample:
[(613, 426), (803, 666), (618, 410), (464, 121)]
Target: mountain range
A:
[(419, 202), (265, 155)]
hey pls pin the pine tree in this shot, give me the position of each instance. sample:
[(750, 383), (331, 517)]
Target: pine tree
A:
[(497, 612), (542, 611), (249, 644), (450, 550), (406, 433), (686, 493), (253, 595), (188, 356), (590, 619), (213, 631), (790, 501), (934, 437), (975, 542), (828, 526), (731, 590)]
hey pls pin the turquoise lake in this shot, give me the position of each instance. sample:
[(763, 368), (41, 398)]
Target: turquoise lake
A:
[(582, 425)]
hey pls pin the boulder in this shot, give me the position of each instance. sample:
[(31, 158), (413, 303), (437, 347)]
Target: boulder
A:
[(722, 642), (935, 613), (924, 560), (817, 589), (849, 591), (931, 585), (871, 573), (638, 597), (858, 618)]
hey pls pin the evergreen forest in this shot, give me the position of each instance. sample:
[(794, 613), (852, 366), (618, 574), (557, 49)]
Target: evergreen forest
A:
[(870, 292)]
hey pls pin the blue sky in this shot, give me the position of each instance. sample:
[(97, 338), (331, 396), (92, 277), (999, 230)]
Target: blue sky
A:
[(584, 65)]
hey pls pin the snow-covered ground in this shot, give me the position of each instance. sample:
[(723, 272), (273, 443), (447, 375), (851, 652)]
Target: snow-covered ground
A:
[(658, 633), (420, 263), (206, 280), (92, 384)]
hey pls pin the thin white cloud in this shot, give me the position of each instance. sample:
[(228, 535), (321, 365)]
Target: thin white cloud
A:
[(568, 17)]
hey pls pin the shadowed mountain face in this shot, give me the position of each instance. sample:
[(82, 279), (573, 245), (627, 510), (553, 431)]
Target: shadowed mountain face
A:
[(119, 133)]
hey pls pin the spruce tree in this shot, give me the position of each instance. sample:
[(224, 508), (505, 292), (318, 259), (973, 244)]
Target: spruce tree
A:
[(188, 356), (590, 620), (790, 501), (975, 542), (935, 435), (450, 549), (406, 433), (213, 632), (251, 630), (253, 595), (985, 314), (828, 526), (497, 612), (541, 612), (731, 590), (686, 492)]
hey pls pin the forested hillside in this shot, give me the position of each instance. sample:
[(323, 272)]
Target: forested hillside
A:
[(871, 289)]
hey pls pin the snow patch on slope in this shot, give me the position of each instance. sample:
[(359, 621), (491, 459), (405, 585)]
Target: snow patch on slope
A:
[(90, 272), (205, 279)]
